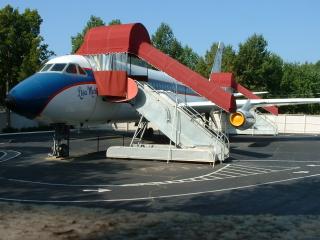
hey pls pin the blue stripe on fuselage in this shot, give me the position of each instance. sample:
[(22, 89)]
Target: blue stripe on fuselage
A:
[(34, 93), (167, 86)]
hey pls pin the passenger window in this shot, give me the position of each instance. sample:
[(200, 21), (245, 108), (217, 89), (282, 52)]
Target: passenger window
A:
[(81, 71), (71, 69), (46, 68), (58, 67)]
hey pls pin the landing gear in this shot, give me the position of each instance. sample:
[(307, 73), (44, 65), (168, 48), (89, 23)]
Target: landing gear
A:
[(143, 130), (149, 132), (207, 120), (61, 135)]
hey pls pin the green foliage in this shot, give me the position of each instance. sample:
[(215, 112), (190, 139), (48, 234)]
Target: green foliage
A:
[(189, 57), (205, 63), (76, 41), (165, 41), (21, 47), (300, 81), (271, 74), (114, 22), (255, 67), (258, 69), (317, 66)]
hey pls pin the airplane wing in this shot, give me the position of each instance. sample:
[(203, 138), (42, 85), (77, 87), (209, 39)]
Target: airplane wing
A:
[(255, 93), (277, 102), (207, 106)]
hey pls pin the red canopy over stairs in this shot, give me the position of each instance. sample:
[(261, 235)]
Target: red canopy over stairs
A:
[(134, 39)]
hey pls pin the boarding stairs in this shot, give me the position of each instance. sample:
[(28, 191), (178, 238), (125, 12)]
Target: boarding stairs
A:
[(192, 138)]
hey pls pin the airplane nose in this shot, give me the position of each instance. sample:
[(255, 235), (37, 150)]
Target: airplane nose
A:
[(29, 97), (18, 107), (22, 99)]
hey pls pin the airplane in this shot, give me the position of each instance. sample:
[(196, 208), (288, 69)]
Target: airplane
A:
[(255, 93), (64, 93)]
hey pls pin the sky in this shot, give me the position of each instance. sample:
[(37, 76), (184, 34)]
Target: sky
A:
[(291, 27)]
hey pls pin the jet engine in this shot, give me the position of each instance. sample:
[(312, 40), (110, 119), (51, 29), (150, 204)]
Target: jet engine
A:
[(242, 119)]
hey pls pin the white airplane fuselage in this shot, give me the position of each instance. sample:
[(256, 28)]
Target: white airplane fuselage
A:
[(65, 91), (57, 95)]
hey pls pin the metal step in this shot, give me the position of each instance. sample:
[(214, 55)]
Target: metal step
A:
[(180, 124)]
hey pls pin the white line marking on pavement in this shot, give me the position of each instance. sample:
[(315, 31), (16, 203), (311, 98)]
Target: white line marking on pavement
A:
[(279, 160), (299, 172), (4, 154), (99, 190), (244, 171), (219, 170), (223, 175), (7, 159), (251, 168), (158, 197), (241, 169), (220, 174), (235, 174)]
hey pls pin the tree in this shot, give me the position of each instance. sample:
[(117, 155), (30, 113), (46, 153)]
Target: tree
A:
[(76, 41), (255, 67), (189, 57), (114, 22), (317, 66), (300, 81), (21, 47), (272, 72), (165, 41), (248, 67)]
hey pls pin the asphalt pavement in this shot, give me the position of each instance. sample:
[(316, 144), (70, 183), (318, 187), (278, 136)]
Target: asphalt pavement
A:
[(264, 175)]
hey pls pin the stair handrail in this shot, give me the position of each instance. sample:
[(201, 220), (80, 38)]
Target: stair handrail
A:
[(190, 111)]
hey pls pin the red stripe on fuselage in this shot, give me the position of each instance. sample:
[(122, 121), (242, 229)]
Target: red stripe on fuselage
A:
[(61, 90)]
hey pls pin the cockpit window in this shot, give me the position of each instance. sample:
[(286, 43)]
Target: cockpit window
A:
[(71, 69), (46, 68), (58, 67), (81, 71)]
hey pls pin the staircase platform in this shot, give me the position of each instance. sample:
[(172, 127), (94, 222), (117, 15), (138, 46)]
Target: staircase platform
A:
[(181, 125), (163, 153)]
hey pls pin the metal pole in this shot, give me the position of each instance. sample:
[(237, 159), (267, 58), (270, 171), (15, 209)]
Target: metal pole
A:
[(176, 117), (98, 140), (8, 114), (68, 139)]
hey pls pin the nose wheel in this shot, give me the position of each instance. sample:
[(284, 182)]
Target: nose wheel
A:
[(61, 141)]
